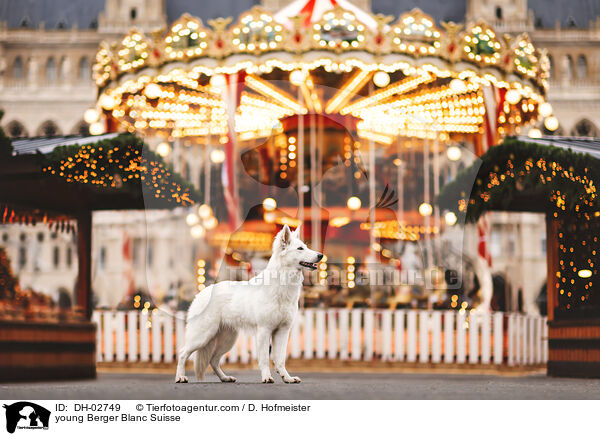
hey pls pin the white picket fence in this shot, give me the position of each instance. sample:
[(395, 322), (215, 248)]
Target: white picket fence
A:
[(418, 336)]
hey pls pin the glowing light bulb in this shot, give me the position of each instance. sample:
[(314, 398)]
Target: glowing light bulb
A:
[(450, 218), (458, 86), (163, 149), (297, 77), (197, 231), (551, 123), (425, 209), (269, 217), (152, 91), (97, 128), (453, 153), (107, 102), (217, 156), (534, 133), (545, 109), (353, 203), (210, 223), (218, 81), (192, 219), (513, 96), (584, 273), (91, 115), (269, 204), (205, 211), (381, 79)]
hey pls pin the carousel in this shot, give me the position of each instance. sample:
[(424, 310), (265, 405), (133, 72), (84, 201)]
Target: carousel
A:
[(322, 115)]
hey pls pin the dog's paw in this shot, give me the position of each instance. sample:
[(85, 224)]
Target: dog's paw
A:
[(292, 380), (228, 379), (268, 379), (181, 379)]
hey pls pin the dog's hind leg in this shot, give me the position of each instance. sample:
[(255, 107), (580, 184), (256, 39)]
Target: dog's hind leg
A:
[(225, 339), (202, 357), (197, 336)]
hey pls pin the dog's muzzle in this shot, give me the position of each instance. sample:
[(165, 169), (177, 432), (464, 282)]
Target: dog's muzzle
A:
[(310, 265)]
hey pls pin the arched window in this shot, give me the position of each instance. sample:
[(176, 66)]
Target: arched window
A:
[(16, 129), (551, 66), (62, 70), (17, 69), (51, 70), (498, 12), (585, 128), (82, 128), (48, 128), (84, 69), (568, 67), (582, 68)]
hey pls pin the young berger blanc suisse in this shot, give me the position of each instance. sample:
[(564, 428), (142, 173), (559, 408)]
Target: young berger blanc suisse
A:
[(266, 304)]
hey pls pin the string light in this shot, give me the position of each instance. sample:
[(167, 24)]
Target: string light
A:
[(453, 153), (551, 123), (217, 156), (163, 149), (91, 115), (201, 274), (197, 231), (121, 162), (323, 271), (425, 209), (450, 218), (269, 204), (353, 203), (350, 268)]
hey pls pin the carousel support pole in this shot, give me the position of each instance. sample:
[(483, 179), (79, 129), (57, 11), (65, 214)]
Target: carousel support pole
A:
[(436, 191), (300, 157), (84, 254), (207, 170), (400, 184), (314, 205), (372, 215), (319, 165), (427, 221)]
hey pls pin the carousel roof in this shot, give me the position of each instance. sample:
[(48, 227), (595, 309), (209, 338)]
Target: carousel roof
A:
[(323, 62), (313, 11)]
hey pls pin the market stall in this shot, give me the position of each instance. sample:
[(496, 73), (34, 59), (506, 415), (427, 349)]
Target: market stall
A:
[(59, 182), (558, 177)]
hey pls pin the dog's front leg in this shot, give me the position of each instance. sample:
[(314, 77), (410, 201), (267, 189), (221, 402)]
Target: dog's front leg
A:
[(262, 341), (280, 340)]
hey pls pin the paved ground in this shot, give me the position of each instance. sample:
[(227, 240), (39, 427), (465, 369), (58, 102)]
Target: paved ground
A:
[(314, 386)]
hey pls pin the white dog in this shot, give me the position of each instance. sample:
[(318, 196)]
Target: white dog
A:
[(266, 304)]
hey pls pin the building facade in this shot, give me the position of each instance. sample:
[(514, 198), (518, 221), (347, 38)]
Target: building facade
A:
[(46, 57)]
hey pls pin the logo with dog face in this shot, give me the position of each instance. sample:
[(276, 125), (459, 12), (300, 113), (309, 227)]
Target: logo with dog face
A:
[(26, 415)]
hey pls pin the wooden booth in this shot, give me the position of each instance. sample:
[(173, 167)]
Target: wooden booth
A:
[(59, 182), (558, 177)]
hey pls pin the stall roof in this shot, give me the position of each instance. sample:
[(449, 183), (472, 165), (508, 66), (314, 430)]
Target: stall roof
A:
[(45, 144), (579, 145), (28, 182), (552, 174)]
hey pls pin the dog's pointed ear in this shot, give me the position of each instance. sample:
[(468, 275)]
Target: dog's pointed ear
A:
[(297, 232), (282, 239), (286, 235)]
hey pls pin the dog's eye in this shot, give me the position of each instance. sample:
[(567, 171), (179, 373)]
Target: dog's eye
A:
[(300, 248)]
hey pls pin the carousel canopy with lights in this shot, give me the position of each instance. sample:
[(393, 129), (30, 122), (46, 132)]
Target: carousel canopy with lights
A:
[(321, 57)]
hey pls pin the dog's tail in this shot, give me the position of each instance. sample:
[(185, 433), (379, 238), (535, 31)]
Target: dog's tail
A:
[(201, 359)]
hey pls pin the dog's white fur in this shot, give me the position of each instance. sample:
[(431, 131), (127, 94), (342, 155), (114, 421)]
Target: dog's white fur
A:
[(265, 305)]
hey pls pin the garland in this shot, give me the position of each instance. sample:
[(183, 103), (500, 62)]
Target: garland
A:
[(123, 162), (567, 180)]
